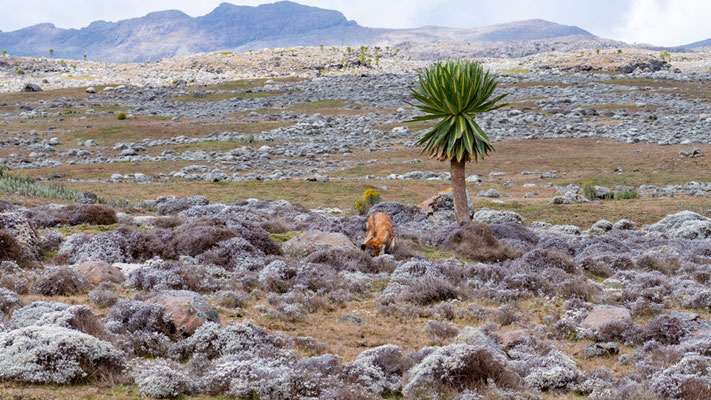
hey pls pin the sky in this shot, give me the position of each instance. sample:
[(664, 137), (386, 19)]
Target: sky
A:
[(659, 22)]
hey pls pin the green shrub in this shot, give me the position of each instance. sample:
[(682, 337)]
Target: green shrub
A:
[(122, 116), (24, 185), (589, 191), (626, 195), (370, 198)]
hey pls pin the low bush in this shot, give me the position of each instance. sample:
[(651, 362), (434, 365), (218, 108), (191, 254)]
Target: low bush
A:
[(456, 368), (440, 331), (92, 214), (61, 281), (10, 250), (196, 237), (665, 329), (428, 290), (476, 242), (370, 198)]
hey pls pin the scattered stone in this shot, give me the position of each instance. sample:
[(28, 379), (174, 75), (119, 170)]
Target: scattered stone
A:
[(98, 271), (602, 315), (31, 87), (188, 309), (312, 241), (601, 349)]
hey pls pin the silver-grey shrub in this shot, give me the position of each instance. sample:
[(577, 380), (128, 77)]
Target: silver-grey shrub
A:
[(163, 379), (52, 354)]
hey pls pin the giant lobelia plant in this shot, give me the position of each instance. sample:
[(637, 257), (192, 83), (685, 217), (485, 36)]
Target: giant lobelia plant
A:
[(454, 92)]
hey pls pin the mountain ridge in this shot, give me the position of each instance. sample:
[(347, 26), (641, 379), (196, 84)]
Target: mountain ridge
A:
[(169, 33)]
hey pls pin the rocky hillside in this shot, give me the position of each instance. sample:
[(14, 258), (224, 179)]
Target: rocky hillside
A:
[(702, 43), (230, 27)]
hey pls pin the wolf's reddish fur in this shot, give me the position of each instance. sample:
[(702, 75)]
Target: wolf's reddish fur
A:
[(380, 233)]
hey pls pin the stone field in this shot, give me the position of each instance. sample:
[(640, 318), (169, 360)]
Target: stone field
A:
[(187, 229)]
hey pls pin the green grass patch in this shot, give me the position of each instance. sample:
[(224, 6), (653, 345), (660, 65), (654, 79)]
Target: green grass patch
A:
[(86, 228), (414, 126), (210, 97), (13, 182), (284, 237), (436, 254), (315, 106), (514, 71), (635, 179), (244, 84)]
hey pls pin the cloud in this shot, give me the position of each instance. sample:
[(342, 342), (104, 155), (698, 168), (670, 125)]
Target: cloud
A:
[(666, 22)]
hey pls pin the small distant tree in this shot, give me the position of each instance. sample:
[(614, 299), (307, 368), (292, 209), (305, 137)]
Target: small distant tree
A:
[(4, 53), (665, 55), (619, 51), (51, 52), (454, 92), (84, 57), (597, 51)]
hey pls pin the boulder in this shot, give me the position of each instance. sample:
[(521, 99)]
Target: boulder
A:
[(188, 309), (512, 338), (569, 198), (90, 90), (695, 152), (98, 271), (312, 241), (602, 315), (491, 194), (601, 349), (31, 87), (498, 217)]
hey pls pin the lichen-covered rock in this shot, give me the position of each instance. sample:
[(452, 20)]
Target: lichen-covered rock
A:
[(312, 241), (52, 354), (98, 271), (683, 225), (498, 217), (188, 309)]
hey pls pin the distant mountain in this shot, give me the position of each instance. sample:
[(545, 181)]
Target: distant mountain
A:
[(229, 27), (533, 29), (703, 43)]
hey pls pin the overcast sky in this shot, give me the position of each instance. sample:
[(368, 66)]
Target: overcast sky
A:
[(661, 22)]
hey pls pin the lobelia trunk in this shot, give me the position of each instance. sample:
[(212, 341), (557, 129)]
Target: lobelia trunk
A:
[(459, 190)]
